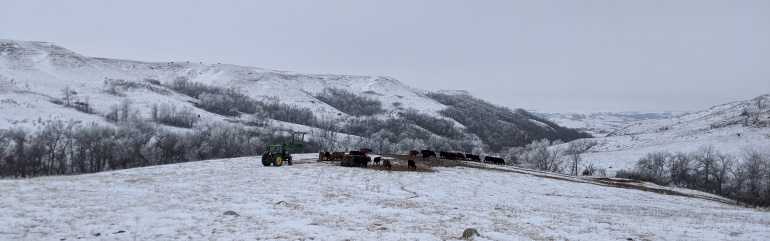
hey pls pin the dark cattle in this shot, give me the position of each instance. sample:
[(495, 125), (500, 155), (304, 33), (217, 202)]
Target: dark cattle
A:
[(363, 161), (586, 173), (472, 157), (321, 156), (412, 165), (443, 155), (336, 156), (455, 156), (357, 153), (426, 154), (377, 160), (414, 153), (386, 164), (366, 150), (327, 155), (494, 160)]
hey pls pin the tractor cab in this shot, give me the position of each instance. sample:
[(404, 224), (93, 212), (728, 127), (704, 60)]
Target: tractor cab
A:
[(276, 149)]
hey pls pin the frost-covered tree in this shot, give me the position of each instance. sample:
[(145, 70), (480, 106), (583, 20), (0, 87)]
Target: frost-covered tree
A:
[(538, 155), (574, 151)]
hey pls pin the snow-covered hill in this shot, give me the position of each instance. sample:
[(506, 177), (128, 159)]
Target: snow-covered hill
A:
[(729, 128), (238, 199), (37, 77), (601, 123), (45, 69)]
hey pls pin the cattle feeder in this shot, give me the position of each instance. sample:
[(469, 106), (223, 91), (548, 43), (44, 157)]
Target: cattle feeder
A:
[(276, 154)]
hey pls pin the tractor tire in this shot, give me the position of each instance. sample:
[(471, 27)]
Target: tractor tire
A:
[(266, 160), (277, 160)]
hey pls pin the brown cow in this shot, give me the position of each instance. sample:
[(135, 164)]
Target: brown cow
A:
[(336, 156), (321, 156), (414, 153), (386, 164), (366, 150), (586, 173)]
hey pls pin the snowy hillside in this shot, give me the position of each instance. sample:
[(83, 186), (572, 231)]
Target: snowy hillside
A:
[(238, 199), (729, 128), (42, 82), (600, 123), (45, 69)]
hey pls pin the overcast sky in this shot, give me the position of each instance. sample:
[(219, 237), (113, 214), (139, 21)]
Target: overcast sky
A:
[(541, 55)]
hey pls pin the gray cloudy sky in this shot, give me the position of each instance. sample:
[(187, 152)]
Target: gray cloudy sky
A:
[(543, 55)]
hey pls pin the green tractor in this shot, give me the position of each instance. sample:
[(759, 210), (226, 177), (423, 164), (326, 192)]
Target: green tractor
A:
[(277, 154)]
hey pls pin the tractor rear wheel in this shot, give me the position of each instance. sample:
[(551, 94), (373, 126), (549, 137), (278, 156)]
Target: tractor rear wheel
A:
[(277, 160), (266, 160)]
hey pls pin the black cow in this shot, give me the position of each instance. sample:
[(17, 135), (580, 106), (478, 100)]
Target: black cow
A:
[(494, 160), (377, 160), (362, 161), (443, 155), (426, 154), (412, 165)]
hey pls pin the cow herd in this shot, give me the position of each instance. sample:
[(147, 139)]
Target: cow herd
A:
[(361, 159), (354, 158), (426, 154)]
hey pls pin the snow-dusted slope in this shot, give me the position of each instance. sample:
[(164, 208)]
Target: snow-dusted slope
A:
[(319, 201), (725, 127), (45, 69)]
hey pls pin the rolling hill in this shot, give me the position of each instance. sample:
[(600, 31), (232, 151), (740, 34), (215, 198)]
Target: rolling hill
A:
[(730, 128), (43, 82)]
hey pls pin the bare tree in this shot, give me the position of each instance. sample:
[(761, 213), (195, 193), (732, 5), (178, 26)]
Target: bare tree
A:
[(705, 162), (539, 156), (680, 169), (67, 94), (722, 168), (574, 150), (654, 165)]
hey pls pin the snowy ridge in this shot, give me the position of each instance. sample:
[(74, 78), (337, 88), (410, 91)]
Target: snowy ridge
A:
[(725, 127), (45, 69)]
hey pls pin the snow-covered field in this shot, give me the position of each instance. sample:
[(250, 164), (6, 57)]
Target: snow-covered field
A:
[(319, 201)]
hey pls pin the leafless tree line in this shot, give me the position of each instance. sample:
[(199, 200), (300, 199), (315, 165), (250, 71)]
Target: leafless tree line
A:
[(64, 148), (745, 177)]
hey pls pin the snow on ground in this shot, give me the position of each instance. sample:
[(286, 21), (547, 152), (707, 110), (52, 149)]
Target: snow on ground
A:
[(320, 201)]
